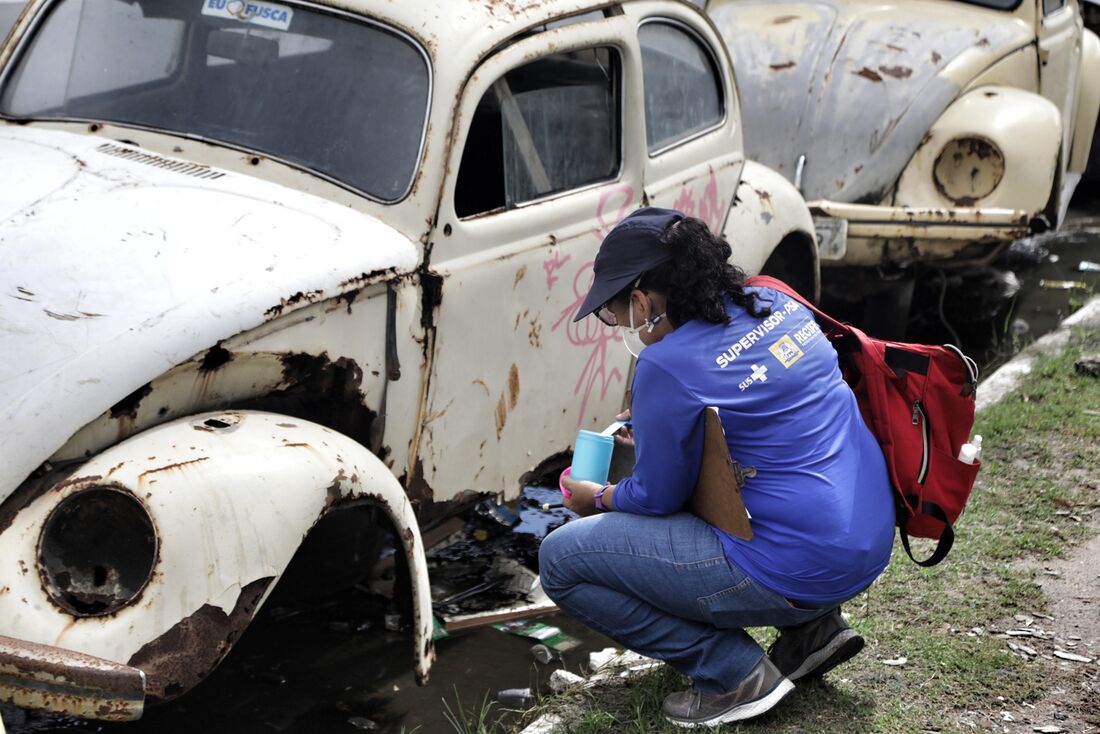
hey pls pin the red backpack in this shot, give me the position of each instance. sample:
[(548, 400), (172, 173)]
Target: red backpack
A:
[(918, 401)]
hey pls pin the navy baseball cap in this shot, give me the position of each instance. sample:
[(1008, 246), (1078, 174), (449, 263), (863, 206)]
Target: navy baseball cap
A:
[(629, 250)]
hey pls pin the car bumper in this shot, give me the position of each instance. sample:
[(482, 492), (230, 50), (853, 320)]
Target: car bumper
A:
[(54, 679), (863, 234)]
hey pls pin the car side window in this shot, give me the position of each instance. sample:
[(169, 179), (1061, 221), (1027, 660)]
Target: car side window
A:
[(549, 126), (1053, 6), (683, 91)]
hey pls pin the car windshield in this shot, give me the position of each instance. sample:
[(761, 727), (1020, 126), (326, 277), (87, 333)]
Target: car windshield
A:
[(342, 97)]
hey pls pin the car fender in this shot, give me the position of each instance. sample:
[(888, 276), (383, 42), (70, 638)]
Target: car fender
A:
[(1025, 127), (230, 496), (771, 231), (1088, 102)]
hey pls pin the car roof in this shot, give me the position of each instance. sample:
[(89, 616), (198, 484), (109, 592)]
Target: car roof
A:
[(464, 31)]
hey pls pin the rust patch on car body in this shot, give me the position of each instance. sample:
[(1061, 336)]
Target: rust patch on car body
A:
[(501, 415), (870, 74), (215, 358), (784, 65), (71, 316), (169, 467), (513, 386), (128, 406), (294, 300), (69, 682), (896, 72), (321, 390), (183, 656)]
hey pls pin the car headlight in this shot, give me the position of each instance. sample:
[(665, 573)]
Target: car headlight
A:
[(968, 169), (97, 551)]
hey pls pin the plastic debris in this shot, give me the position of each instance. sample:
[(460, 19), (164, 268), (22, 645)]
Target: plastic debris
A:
[(550, 636), (897, 662), (497, 513), (542, 653), (1087, 266), (1062, 285), (609, 657), (516, 697), (1048, 729), (362, 723), (518, 579), (483, 562), (545, 724), (563, 679)]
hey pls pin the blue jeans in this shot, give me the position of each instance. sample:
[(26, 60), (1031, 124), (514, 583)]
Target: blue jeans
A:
[(662, 587)]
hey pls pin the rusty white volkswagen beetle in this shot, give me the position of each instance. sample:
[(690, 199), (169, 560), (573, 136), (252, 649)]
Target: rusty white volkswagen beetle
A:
[(924, 131), (262, 263)]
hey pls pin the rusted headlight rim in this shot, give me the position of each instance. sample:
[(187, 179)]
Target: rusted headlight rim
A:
[(973, 141), (52, 590)]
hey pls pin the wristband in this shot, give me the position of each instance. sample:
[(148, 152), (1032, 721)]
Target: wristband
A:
[(599, 498)]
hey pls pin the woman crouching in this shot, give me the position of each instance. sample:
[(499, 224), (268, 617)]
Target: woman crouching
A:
[(663, 582)]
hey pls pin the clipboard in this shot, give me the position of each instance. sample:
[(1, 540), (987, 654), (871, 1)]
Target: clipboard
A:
[(717, 497)]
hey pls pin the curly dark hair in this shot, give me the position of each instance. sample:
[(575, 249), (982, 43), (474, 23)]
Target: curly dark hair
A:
[(698, 276)]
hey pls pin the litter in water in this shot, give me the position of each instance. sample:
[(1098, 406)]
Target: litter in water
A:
[(1062, 285), (548, 635), (518, 698)]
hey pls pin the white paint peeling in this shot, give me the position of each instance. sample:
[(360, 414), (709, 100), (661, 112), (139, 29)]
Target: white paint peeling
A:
[(114, 271)]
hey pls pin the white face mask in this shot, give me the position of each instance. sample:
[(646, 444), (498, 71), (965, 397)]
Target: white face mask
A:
[(632, 338)]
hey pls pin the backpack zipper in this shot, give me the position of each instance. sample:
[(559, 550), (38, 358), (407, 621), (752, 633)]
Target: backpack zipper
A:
[(920, 418)]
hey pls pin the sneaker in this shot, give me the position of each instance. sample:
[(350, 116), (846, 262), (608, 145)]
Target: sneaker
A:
[(761, 689), (816, 647)]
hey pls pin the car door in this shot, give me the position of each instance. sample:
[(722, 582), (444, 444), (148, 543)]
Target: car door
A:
[(694, 157), (1059, 32), (543, 170)]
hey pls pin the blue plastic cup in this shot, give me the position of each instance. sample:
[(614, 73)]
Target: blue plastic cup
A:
[(592, 456)]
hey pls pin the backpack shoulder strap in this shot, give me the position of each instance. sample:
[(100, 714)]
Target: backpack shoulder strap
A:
[(767, 281)]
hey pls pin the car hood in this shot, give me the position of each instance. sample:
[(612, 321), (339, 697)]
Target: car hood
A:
[(116, 265), (853, 86)]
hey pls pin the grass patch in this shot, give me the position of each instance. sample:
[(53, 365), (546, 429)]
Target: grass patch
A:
[(1039, 445)]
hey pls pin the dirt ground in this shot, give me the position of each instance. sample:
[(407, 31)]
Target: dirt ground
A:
[(1073, 586)]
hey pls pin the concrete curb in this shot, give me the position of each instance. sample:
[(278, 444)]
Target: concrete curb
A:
[(1009, 375)]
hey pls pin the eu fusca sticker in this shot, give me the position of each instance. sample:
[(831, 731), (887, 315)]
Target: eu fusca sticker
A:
[(268, 15)]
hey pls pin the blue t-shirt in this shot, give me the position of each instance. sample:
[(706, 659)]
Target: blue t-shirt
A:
[(821, 503)]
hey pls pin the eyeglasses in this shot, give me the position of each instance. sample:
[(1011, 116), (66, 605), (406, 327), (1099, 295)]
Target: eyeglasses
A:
[(606, 315), (604, 312)]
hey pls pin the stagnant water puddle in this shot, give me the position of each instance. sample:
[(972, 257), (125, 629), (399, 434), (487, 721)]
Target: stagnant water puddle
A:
[(335, 666), (994, 312)]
